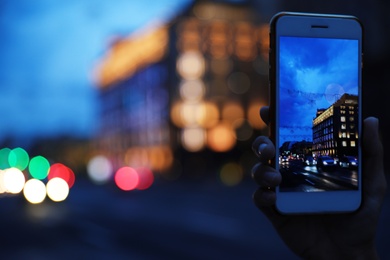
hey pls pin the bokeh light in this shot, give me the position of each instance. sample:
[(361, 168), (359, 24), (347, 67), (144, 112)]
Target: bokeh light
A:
[(57, 189), (18, 158), (2, 185), (191, 65), (160, 158), (4, 154), (39, 167), (245, 47), (99, 169), (14, 180), (239, 82), (231, 174), (61, 171), (176, 114), (221, 138), (243, 129), (192, 90), (191, 113), (254, 115), (126, 178), (263, 39), (157, 158), (221, 67), (146, 178), (193, 139), (208, 115), (231, 112), (34, 191)]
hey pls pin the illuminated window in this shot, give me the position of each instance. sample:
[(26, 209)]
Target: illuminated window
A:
[(353, 143), (351, 119), (342, 119), (344, 143), (342, 112), (352, 126), (343, 126)]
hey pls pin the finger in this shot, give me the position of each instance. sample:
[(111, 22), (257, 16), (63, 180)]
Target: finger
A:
[(266, 176), (264, 198), (263, 148), (264, 114), (374, 180)]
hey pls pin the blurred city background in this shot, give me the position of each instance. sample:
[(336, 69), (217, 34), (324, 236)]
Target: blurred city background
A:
[(126, 126)]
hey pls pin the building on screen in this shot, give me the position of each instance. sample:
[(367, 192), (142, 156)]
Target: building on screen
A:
[(335, 129)]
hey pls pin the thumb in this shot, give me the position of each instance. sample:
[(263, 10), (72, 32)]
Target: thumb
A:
[(374, 180)]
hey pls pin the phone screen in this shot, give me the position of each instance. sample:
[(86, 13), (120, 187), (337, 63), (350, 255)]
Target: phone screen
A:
[(318, 114)]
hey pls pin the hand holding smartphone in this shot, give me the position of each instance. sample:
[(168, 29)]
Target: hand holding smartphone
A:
[(316, 124)]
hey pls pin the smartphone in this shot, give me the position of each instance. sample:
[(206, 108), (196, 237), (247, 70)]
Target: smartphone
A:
[(316, 111)]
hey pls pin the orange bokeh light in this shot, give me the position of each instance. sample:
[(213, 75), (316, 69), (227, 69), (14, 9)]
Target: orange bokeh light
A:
[(221, 138), (254, 115), (231, 112)]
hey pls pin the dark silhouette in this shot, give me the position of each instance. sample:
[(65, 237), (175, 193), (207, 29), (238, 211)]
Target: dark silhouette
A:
[(326, 236)]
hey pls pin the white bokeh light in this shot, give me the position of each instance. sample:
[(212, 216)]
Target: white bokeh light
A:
[(2, 185), (191, 65), (57, 189), (34, 191), (99, 169), (13, 180)]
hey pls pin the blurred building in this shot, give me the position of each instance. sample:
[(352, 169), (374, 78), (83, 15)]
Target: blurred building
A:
[(134, 98), (335, 131), (188, 89)]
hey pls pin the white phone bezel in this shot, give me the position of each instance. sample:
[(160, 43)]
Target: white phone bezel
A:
[(300, 25)]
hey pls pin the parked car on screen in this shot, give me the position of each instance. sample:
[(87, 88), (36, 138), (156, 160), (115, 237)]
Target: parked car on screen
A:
[(348, 162), (284, 160), (309, 160), (326, 162)]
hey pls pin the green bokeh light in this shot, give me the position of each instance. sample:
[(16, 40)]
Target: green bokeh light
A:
[(18, 158), (39, 167), (4, 153)]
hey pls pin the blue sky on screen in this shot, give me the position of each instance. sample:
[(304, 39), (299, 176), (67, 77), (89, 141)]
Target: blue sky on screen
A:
[(314, 73)]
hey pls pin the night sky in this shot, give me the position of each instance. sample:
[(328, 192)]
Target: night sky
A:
[(314, 73), (48, 51)]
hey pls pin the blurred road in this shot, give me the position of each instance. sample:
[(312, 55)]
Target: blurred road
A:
[(171, 220)]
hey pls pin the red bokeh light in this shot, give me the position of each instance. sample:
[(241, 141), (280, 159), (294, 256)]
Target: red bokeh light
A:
[(63, 172), (126, 178), (146, 178)]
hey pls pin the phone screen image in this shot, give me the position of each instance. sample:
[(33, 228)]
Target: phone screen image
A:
[(318, 114)]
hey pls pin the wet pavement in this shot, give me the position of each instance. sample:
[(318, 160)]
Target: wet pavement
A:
[(172, 220)]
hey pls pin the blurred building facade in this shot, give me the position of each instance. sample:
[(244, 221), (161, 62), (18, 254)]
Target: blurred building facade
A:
[(188, 89)]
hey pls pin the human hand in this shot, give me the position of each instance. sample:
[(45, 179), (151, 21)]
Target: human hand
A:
[(326, 236)]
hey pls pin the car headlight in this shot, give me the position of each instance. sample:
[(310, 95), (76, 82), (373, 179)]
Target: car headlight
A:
[(325, 163)]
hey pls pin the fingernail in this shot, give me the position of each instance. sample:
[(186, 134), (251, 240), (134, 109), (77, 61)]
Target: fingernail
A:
[(261, 148)]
